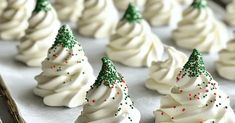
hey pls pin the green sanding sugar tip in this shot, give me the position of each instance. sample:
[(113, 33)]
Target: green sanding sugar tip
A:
[(195, 65), (199, 4), (108, 74), (65, 37), (132, 14), (42, 5)]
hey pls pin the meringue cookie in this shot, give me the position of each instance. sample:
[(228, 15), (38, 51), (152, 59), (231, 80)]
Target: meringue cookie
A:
[(199, 29), (108, 99), (134, 44), (123, 4), (196, 98), (67, 74), (99, 19), (42, 30), (163, 73), (161, 12), (230, 13), (3, 5), (14, 19), (69, 10), (226, 64)]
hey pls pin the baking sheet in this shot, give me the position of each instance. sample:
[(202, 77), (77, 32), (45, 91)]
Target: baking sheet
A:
[(20, 82)]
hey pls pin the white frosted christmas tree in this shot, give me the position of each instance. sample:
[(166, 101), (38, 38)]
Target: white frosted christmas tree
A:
[(69, 10), (226, 64), (162, 12), (42, 30), (108, 100), (14, 19), (99, 19), (67, 74), (134, 44), (200, 29), (196, 98), (163, 73)]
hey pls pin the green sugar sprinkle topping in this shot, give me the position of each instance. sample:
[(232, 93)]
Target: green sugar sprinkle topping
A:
[(108, 74), (132, 14), (199, 4), (65, 37), (195, 65), (42, 5)]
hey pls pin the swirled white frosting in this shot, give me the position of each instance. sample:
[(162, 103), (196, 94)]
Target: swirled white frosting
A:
[(161, 12), (69, 10), (40, 35), (109, 105), (226, 64), (3, 5), (134, 44), (230, 14), (163, 73), (195, 100), (123, 4), (99, 19), (66, 77), (199, 29), (14, 20), (185, 2)]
